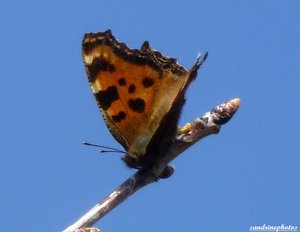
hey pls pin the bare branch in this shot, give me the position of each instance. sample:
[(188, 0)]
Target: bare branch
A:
[(209, 124)]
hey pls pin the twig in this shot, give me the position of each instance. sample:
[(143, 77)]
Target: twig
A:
[(209, 124)]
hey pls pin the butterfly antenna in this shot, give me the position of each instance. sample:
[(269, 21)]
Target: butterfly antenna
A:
[(109, 149)]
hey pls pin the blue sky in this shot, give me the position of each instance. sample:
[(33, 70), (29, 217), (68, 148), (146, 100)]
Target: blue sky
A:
[(247, 175)]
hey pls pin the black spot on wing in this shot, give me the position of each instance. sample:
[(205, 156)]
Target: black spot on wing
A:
[(131, 88), (137, 105), (119, 117), (147, 82), (122, 81), (99, 65), (107, 97)]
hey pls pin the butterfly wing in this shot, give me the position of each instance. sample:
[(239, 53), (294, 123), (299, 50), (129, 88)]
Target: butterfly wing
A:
[(135, 89)]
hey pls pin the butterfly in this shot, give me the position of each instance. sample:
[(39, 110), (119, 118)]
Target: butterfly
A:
[(140, 93)]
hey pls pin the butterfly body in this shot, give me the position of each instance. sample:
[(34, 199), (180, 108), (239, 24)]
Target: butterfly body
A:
[(140, 94)]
